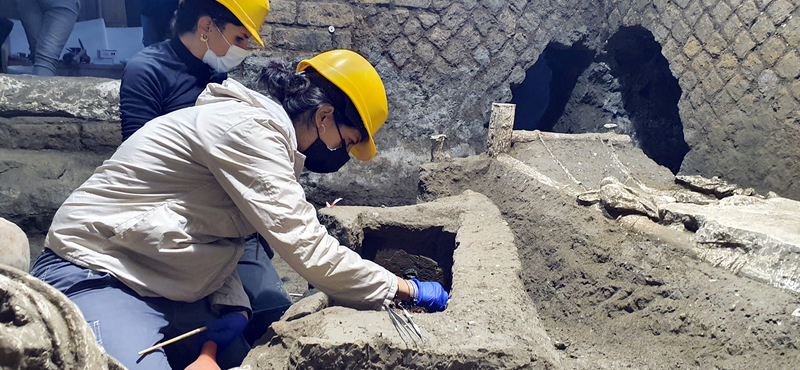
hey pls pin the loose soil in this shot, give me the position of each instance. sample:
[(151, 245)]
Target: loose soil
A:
[(614, 299)]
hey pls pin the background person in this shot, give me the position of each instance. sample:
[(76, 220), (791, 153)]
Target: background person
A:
[(147, 246), (210, 39), (47, 24), (156, 16)]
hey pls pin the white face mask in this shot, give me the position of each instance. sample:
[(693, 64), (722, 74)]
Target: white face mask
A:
[(232, 58)]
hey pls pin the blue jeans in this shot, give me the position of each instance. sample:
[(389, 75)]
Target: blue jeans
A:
[(48, 24), (268, 298), (125, 323)]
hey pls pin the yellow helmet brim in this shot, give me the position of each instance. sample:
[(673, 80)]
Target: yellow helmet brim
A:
[(251, 13)]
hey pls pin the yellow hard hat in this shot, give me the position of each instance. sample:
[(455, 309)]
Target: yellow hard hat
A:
[(250, 12), (356, 77)]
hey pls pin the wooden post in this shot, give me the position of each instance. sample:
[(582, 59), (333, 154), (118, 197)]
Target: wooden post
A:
[(500, 126), (438, 154)]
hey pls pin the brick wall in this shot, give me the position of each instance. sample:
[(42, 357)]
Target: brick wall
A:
[(445, 62)]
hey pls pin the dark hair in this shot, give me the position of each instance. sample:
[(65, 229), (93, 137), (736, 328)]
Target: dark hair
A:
[(307, 91), (189, 11)]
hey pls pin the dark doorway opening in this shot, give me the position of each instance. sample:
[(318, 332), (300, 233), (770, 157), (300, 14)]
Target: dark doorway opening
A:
[(572, 89)]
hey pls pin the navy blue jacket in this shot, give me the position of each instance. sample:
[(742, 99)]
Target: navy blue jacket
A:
[(162, 78)]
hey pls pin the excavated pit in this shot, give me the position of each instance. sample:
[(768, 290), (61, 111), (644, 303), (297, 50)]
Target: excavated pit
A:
[(461, 241)]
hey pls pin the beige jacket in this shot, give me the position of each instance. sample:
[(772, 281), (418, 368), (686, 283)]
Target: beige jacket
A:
[(167, 213)]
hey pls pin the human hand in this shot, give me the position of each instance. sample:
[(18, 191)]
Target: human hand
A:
[(224, 330), (207, 359), (430, 295)]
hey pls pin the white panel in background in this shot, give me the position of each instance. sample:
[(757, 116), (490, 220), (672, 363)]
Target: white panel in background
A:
[(92, 34), (126, 41)]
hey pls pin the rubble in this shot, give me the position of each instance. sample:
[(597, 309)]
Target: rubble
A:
[(41, 329)]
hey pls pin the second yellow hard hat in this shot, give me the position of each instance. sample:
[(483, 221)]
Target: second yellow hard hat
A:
[(251, 13)]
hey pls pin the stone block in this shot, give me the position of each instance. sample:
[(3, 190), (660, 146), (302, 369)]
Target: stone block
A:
[(722, 103), (427, 19), (342, 39), (413, 29), (38, 133), (712, 83), (670, 49), (708, 3), (731, 28), (678, 64), (697, 96), (771, 50), (614, 19), (762, 29), (454, 52), (438, 5), (454, 16), (660, 33), (376, 2), (325, 14), (788, 66), (704, 28), (14, 248), (100, 136), (791, 30), (761, 4), (493, 6), (693, 13), (507, 21), (721, 12), (425, 51), (784, 105), (95, 99), (737, 87), (692, 47), (748, 12), (481, 55), (795, 89), (413, 3), (669, 15), (751, 67), (439, 36), (716, 44), (682, 3), (282, 11), (768, 82), (734, 3), (681, 31), (702, 63), (296, 38), (484, 22), (529, 22), (779, 10), (687, 81), (743, 44), (727, 66), (400, 51)]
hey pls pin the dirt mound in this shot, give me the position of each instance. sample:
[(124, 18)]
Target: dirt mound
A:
[(614, 299)]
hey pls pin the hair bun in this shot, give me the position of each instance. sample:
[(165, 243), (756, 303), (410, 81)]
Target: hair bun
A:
[(280, 82)]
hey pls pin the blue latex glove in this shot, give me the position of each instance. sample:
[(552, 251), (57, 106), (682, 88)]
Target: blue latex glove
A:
[(431, 296), (224, 330)]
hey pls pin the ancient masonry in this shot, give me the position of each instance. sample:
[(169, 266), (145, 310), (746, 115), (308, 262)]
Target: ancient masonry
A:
[(444, 63), (736, 61)]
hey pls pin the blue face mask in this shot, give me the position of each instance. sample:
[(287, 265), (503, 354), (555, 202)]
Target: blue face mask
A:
[(321, 159)]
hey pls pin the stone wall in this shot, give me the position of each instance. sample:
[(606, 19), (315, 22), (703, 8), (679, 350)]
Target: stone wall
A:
[(445, 62)]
